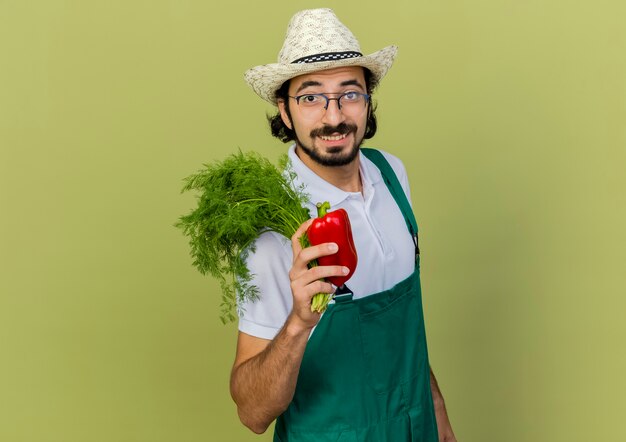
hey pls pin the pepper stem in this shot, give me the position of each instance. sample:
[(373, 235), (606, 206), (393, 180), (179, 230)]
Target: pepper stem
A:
[(322, 208)]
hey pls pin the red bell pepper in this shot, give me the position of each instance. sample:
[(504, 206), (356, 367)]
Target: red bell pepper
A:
[(334, 227)]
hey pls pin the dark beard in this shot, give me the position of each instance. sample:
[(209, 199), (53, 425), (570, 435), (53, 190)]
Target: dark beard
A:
[(333, 160)]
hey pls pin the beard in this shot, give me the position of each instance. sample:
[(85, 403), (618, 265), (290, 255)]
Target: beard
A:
[(334, 158)]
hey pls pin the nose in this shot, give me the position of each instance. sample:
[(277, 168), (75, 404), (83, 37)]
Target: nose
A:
[(333, 115)]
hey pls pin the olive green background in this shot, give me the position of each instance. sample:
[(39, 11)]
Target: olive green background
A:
[(509, 115)]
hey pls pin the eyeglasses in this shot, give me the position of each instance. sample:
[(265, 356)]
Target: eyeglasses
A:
[(349, 103)]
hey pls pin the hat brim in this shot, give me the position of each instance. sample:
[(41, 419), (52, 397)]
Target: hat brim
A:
[(266, 79)]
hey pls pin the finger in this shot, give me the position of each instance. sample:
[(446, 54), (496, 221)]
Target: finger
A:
[(302, 260), (310, 253), (295, 238), (317, 273), (320, 287), (306, 293)]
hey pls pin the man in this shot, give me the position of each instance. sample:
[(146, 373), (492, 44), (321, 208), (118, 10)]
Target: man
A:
[(360, 371)]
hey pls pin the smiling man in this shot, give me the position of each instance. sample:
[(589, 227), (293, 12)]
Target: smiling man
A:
[(360, 371)]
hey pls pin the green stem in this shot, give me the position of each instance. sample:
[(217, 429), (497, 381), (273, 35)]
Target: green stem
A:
[(322, 208), (320, 301), (268, 202)]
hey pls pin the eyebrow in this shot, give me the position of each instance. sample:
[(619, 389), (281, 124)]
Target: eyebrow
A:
[(352, 83), (309, 83)]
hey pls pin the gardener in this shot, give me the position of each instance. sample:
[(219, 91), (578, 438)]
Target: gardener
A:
[(360, 371)]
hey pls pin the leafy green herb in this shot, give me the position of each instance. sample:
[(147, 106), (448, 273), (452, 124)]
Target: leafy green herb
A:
[(240, 198)]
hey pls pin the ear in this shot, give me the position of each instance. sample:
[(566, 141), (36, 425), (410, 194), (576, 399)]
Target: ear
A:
[(283, 113)]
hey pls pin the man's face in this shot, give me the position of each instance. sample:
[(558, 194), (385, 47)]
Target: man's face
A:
[(328, 137)]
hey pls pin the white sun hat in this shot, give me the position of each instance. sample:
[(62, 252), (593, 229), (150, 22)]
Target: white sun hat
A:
[(316, 40)]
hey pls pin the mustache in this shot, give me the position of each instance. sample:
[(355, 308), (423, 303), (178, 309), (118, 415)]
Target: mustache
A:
[(341, 128)]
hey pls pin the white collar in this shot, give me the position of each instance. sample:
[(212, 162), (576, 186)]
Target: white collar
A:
[(320, 190)]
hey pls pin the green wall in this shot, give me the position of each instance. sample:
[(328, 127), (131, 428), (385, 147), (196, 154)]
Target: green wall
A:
[(511, 120)]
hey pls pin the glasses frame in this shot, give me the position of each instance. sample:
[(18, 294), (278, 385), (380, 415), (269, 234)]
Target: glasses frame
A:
[(329, 99)]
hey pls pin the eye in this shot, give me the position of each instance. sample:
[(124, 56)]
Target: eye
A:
[(310, 99), (351, 96)]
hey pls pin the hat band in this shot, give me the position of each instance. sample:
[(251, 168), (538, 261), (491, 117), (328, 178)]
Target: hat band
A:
[(327, 56)]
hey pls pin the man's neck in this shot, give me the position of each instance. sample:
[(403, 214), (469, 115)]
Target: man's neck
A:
[(346, 178)]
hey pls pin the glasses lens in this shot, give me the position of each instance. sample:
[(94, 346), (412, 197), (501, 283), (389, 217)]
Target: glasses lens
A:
[(312, 101), (352, 102), (312, 105)]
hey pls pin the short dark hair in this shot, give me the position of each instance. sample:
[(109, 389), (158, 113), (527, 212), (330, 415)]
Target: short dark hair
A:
[(283, 133)]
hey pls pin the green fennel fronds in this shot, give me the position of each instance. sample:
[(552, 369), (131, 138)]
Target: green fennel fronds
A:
[(239, 198)]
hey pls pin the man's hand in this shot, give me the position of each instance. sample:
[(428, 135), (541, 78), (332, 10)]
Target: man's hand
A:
[(441, 414), (305, 282), (443, 423)]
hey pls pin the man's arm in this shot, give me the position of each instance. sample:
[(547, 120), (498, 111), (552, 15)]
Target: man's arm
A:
[(263, 385), (264, 375), (443, 422)]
